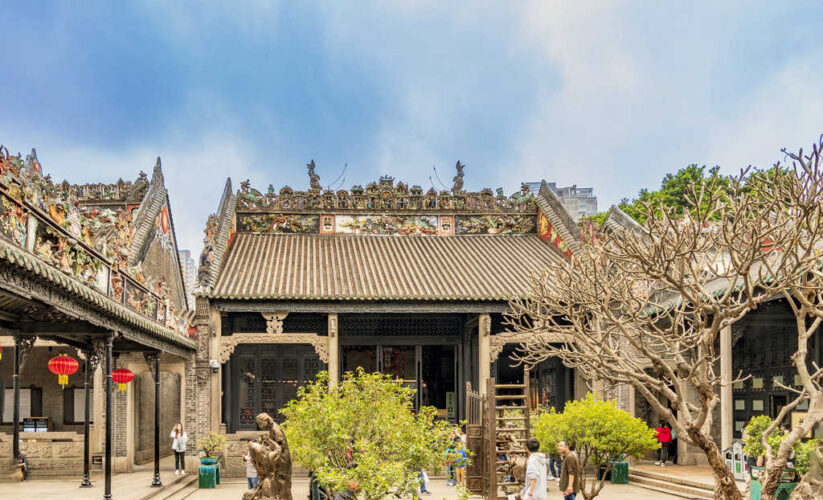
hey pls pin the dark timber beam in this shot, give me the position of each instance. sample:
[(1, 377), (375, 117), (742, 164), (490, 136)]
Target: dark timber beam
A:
[(90, 362), (109, 417), (59, 327), (153, 360), (22, 346)]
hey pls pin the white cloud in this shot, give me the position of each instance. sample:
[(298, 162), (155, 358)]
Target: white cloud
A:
[(784, 111)]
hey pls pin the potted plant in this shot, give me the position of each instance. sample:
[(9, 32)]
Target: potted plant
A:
[(209, 445)]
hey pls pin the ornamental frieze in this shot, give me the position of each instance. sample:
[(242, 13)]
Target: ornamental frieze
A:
[(13, 222), (279, 223), (383, 195), (386, 224), (495, 224)]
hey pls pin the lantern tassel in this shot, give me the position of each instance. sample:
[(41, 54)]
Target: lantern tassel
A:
[(122, 387)]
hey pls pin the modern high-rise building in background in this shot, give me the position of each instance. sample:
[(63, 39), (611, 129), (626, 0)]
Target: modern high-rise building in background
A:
[(189, 274), (579, 202)]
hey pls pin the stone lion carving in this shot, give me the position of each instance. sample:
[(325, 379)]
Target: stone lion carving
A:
[(270, 456)]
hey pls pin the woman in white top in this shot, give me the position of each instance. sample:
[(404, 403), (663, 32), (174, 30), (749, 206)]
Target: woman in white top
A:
[(179, 446)]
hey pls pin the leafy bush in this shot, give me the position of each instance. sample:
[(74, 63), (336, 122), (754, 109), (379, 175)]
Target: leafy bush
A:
[(752, 444), (802, 453), (362, 435), (599, 431)]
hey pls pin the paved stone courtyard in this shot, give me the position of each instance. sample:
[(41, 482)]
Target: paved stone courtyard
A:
[(135, 486)]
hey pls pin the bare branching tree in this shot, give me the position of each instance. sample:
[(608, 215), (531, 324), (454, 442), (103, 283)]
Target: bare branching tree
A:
[(644, 306)]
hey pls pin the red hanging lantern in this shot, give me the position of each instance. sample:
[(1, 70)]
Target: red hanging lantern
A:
[(63, 365), (1, 352), (122, 376)]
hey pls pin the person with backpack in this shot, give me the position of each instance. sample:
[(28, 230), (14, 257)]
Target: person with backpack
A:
[(664, 437)]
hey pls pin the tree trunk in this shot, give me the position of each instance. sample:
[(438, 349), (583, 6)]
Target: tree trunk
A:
[(770, 479), (725, 487), (803, 492)]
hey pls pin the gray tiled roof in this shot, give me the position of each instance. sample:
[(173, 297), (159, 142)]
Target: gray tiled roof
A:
[(381, 267)]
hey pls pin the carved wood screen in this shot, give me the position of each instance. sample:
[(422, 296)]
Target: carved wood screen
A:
[(476, 478)]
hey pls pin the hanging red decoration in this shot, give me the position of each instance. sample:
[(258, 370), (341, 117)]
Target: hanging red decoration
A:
[(1, 352), (63, 365), (122, 376)]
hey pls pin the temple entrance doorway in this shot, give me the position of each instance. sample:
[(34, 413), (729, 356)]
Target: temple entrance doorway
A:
[(264, 378), (431, 370)]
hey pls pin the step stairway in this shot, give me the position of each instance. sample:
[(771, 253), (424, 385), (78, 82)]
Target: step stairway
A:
[(180, 490), (670, 484), (171, 487)]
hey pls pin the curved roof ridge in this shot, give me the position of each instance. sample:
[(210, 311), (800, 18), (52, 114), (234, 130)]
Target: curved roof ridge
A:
[(219, 227), (553, 209)]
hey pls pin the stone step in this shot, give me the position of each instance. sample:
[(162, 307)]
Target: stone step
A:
[(182, 490), (670, 487), (176, 484), (661, 475)]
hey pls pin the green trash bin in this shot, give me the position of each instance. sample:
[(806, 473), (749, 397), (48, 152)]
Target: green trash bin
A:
[(620, 473), (784, 489), (207, 476)]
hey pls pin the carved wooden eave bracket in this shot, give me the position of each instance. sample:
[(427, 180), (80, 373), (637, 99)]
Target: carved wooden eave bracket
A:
[(499, 341), (274, 321), (229, 343)]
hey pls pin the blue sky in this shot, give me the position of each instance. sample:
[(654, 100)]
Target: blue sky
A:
[(604, 94)]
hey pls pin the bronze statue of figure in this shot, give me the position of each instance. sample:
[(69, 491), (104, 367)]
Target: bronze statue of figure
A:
[(270, 456)]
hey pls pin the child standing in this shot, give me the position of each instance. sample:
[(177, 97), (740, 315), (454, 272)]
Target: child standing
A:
[(251, 470), (460, 463)]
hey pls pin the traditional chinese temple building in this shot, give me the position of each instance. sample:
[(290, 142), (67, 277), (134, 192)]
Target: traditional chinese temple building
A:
[(386, 277), (90, 284)]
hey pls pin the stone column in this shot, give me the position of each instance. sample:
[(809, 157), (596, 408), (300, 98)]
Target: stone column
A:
[(216, 379), (107, 448), (198, 380), (726, 403), (334, 350), (484, 326)]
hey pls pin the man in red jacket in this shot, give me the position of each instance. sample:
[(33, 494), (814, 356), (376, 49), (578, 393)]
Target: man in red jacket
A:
[(664, 437)]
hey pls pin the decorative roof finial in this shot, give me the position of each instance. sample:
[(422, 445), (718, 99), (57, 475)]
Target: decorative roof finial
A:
[(33, 161), (458, 179), (314, 179)]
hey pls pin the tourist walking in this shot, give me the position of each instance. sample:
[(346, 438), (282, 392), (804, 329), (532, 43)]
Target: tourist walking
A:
[(554, 466), (460, 463), (251, 470), (178, 444), (536, 475), (22, 465), (673, 447), (664, 437), (570, 472), (423, 476)]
